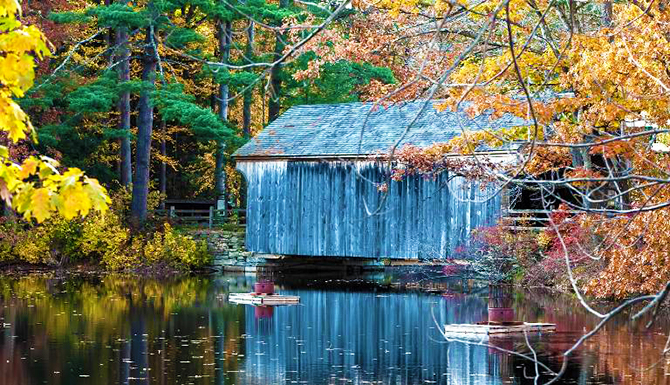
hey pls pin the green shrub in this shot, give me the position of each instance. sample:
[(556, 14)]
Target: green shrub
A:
[(177, 249), (100, 238), (8, 239), (53, 242), (105, 239), (33, 247)]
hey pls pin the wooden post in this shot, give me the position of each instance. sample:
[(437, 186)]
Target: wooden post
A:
[(505, 202), (171, 212), (211, 216)]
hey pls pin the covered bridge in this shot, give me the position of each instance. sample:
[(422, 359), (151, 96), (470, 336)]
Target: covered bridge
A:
[(311, 184)]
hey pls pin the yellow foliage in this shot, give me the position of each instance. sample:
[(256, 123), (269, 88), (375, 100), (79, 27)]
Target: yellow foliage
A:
[(99, 238), (34, 248), (104, 236), (55, 242), (9, 8), (544, 239), (171, 247), (35, 188)]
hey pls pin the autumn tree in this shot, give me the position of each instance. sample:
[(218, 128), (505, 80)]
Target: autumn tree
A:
[(34, 187), (591, 78)]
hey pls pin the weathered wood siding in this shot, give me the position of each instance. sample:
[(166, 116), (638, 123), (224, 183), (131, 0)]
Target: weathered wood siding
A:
[(321, 209)]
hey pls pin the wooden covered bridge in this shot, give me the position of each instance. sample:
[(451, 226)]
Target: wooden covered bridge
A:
[(312, 184)]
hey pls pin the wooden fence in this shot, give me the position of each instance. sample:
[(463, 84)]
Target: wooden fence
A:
[(205, 216)]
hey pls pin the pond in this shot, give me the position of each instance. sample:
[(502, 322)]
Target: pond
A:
[(371, 329)]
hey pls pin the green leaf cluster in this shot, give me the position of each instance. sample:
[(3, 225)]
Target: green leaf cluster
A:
[(337, 82), (106, 16), (181, 37), (99, 96), (175, 105), (236, 80)]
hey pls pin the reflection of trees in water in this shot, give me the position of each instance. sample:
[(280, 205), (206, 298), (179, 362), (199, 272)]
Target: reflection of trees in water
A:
[(135, 328), (630, 355), (185, 331), (621, 353)]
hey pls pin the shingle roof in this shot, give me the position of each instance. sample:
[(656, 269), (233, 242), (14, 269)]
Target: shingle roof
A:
[(335, 129)]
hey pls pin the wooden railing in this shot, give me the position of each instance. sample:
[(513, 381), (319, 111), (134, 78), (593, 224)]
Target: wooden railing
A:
[(202, 216), (528, 219), (237, 216)]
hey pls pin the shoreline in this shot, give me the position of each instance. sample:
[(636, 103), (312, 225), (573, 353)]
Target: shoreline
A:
[(156, 271), (428, 274)]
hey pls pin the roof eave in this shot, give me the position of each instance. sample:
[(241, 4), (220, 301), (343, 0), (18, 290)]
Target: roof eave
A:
[(352, 157)]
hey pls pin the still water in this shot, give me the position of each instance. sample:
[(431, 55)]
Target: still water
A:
[(347, 330)]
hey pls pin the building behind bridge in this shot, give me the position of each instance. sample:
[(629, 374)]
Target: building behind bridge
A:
[(313, 184)]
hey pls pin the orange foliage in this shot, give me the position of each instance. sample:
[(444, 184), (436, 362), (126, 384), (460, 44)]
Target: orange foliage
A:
[(589, 75), (373, 37), (431, 161), (636, 253)]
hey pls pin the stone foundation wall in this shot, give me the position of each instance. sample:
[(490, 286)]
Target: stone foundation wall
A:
[(227, 246)]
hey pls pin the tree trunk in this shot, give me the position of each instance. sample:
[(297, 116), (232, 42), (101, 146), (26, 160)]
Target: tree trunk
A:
[(145, 121), (225, 40), (124, 107), (274, 105), (221, 193), (109, 41), (163, 171), (607, 14), (248, 94)]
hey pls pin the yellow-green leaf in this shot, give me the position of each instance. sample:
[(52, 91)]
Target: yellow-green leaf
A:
[(40, 204)]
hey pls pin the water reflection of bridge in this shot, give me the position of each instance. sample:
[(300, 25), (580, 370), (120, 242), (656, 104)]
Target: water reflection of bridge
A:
[(337, 336)]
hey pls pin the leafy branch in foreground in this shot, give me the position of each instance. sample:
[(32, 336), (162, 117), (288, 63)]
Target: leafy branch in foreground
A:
[(34, 187)]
